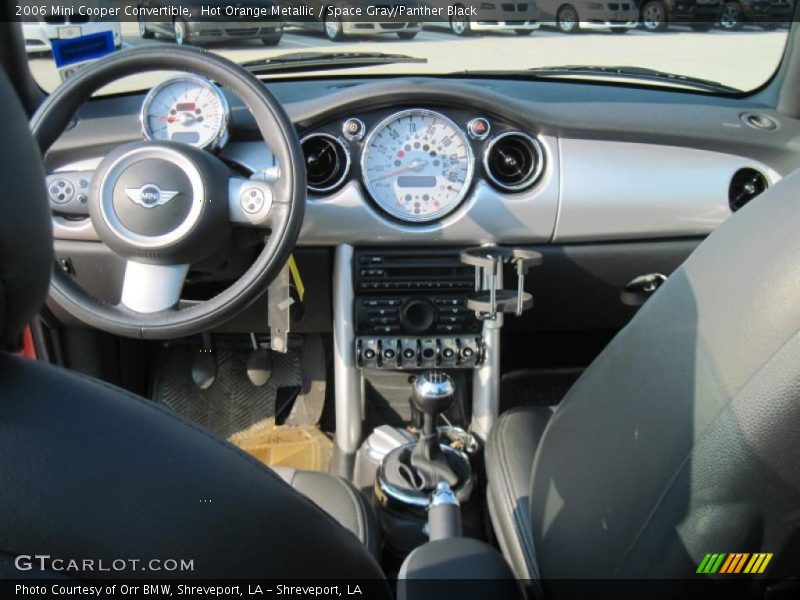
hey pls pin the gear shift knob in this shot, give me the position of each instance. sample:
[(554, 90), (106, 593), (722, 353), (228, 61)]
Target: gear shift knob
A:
[(433, 392)]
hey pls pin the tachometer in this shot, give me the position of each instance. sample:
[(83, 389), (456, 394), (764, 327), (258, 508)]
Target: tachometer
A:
[(186, 109), (417, 165)]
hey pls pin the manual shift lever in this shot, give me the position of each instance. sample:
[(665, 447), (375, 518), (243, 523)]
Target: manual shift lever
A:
[(433, 395)]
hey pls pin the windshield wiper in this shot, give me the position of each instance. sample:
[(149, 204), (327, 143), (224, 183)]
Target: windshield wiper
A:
[(635, 73), (322, 61)]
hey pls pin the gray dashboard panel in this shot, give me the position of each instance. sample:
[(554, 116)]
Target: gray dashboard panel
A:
[(349, 217), (621, 190), (623, 162)]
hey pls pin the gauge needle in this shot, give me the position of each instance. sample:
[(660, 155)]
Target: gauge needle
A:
[(414, 166), (183, 118)]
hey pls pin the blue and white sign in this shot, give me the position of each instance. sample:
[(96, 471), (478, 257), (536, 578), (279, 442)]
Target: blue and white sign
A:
[(73, 53)]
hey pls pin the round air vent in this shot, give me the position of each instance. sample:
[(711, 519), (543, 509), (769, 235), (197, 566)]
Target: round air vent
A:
[(327, 162), (746, 184), (513, 161)]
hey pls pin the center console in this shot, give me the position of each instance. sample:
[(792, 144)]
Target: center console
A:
[(411, 310), (431, 313)]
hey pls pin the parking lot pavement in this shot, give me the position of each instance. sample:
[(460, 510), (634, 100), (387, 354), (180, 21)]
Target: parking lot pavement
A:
[(738, 59)]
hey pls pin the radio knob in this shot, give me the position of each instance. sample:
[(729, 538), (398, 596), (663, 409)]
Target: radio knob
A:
[(409, 353), (369, 353), (418, 316)]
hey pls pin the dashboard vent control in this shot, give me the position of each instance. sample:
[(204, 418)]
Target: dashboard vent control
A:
[(513, 161), (746, 184), (327, 162), (760, 121)]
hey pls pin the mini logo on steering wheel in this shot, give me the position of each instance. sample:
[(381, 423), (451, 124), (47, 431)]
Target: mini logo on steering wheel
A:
[(150, 195)]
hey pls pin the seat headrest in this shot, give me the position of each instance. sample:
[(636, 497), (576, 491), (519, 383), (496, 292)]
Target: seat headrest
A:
[(26, 238)]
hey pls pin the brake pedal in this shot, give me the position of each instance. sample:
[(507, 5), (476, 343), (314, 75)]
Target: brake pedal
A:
[(259, 364)]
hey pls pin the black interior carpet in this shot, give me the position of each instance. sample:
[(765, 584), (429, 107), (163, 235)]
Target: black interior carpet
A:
[(232, 403), (536, 387)]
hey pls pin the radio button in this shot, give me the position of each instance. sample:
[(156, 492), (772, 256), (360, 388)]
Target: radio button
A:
[(384, 321), (387, 329)]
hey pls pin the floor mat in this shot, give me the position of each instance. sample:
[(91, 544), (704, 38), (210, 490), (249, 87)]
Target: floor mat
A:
[(303, 447), (232, 403), (536, 387)]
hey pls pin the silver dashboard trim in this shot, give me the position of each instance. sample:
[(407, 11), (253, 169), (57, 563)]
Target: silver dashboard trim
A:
[(590, 190), (347, 377), (485, 215), (486, 377), (625, 190)]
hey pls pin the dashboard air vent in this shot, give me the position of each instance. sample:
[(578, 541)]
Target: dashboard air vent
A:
[(513, 161), (327, 162), (746, 184)]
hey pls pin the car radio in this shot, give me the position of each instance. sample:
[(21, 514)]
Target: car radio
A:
[(412, 292), (411, 309)]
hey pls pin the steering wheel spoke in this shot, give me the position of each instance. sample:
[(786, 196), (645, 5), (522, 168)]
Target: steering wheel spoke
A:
[(152, 288), (250, 202), (69, 192)]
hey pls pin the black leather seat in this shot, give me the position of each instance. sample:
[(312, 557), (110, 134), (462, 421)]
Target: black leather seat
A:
[(509, 455), (90, 470), (341, 500), (681, 438)]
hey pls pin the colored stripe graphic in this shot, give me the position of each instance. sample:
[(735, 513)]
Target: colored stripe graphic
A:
[(740, 564), (701, 568), (715, 566), (727, 564), (763, 566), (730, 565), (734, 563)]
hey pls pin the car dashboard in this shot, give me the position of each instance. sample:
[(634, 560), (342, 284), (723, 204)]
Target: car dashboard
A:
[(595, 163), (606, 189)]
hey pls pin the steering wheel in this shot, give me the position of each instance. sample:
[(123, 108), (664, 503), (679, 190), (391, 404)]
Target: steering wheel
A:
[(163, 205)]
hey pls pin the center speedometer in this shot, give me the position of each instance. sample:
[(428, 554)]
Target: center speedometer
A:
[(417, 165)]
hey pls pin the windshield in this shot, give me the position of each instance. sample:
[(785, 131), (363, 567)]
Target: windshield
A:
[(733, 46)]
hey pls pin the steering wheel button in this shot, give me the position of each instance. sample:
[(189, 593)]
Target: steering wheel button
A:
[(252, 200), (61, 191)]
